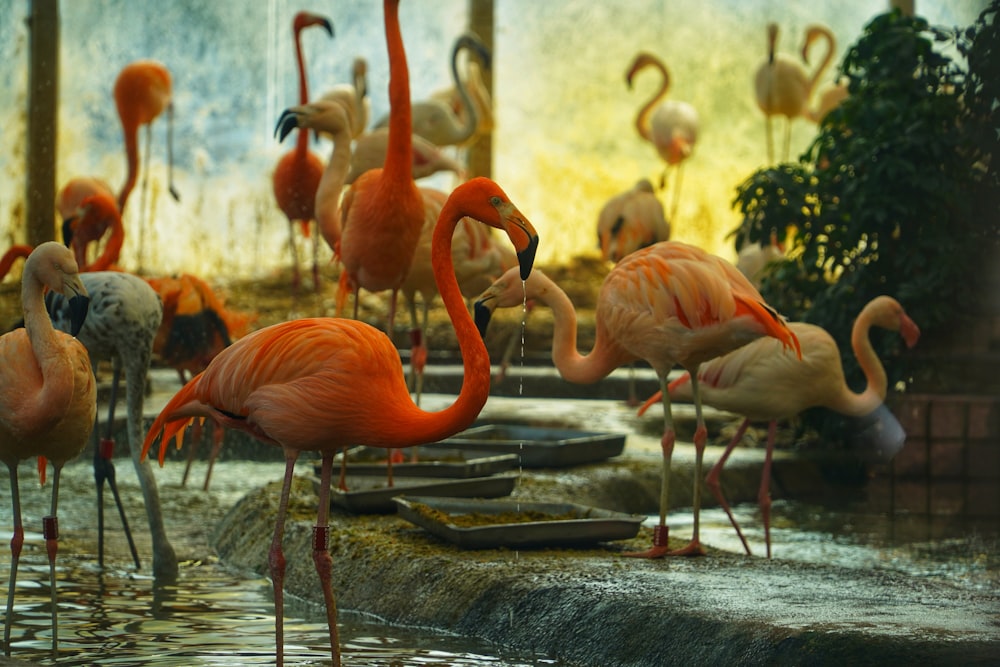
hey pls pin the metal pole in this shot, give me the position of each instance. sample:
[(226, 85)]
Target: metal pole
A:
[(481, 23), (43, 95)]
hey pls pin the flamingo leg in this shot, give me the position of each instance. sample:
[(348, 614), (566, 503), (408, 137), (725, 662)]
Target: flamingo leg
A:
[(315, 239), (633, 398), (788, 138), (217, 437), (714, 485), (104, 471), (770, 139), (192, 449), (296, 279), (342, 485), (322, 558), (678, 178), (16, 542), (661, 532), (50, 531), (276, 558), (694, 547), (764, 495)]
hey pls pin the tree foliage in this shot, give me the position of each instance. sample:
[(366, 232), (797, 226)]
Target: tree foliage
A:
[(897, 194)]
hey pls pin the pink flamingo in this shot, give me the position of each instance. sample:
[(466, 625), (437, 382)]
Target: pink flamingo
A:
[(762, 384), (48, 399), (295, 385), (671, 126), (631, 220), (670, 303), (298, 172), (96, 215)]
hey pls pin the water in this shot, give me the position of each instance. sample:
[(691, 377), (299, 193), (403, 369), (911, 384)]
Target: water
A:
[(212, 615)]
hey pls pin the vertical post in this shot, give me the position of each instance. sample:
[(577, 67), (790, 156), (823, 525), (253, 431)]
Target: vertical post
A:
[(43, 96), (481, 22)]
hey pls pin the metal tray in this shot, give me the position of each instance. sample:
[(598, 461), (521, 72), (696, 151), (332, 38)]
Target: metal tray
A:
[(369, 495), (432, 462), (590, 526), (540, 447)]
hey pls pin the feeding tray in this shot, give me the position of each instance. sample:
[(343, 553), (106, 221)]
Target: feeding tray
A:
[(369, 494), (515, 524), (541, 447), (431, 462)]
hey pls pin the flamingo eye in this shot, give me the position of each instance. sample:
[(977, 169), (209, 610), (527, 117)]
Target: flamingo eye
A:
[(495, 201)]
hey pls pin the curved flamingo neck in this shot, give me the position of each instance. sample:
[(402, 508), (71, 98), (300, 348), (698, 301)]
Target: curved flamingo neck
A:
[(56, 390), (642, 118), (302, 140), (112, 249), (398, 163), (471, 117), (130, 133), (827, 57), (331, 186), (14, 253), (432, 426), (573, 366), (864, 352)]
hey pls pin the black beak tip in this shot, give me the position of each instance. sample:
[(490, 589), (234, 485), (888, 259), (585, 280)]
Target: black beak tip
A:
[(67, 230), (481, 315), (526, 258), (78, 307), (286, 123), (328, 26)]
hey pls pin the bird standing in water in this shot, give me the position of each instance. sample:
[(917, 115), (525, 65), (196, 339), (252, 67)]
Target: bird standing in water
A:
[(670, 303), (760, 383), (295, 385), (48, 399)]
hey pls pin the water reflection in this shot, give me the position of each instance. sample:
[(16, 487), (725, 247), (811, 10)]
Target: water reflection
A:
[(210, 617)]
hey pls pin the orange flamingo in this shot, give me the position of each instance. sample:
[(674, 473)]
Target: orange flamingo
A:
[(298, 172), (143, 91), (631, 220), (670, 125), (72, 195), (782, 85), (383, 211), (294, 385), (336, 118), (96, 215), (670, 303), (48, 399), (762, 384)]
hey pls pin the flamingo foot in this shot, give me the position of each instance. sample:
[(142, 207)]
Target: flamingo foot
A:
[(693, 548), (660, 546)]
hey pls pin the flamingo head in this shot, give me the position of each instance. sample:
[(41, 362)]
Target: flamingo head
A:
[(327, 114), (508, 291), (303, 20), (55, 267)]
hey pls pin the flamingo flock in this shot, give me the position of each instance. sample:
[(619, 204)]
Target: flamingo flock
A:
[(294, 385)]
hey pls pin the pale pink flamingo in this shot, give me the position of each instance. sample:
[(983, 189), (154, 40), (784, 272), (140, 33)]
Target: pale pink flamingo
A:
[(762, 384), (783, 87), (435, 120), (831, 95), (383, 211), (298, 385), (671, 126), (426, 159), (355, 96), (631, 220), (479, 94), (670, 303), (48, 400), (297, 175)]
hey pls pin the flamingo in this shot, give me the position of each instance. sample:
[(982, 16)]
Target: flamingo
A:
[(68, 203), (782, 85), (13, 253), (759, 382), (631, 220), (478, 92), (383, 211), (125, 314), (143, 91), (354, 96), (295, 385), (336, 118), (48, 400), (436, 120), (298, 172), (96, 215), (670, 125), (670, 303)]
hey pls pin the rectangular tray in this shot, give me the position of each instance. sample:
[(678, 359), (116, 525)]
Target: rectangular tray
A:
[(368, 494), (432, 461), (590, 525), (540, 447)]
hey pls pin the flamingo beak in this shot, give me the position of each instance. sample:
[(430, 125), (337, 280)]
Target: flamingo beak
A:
[(909, 330), (483, 311), (288, 121), (526, 257), (78, 307), (68, 226)]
